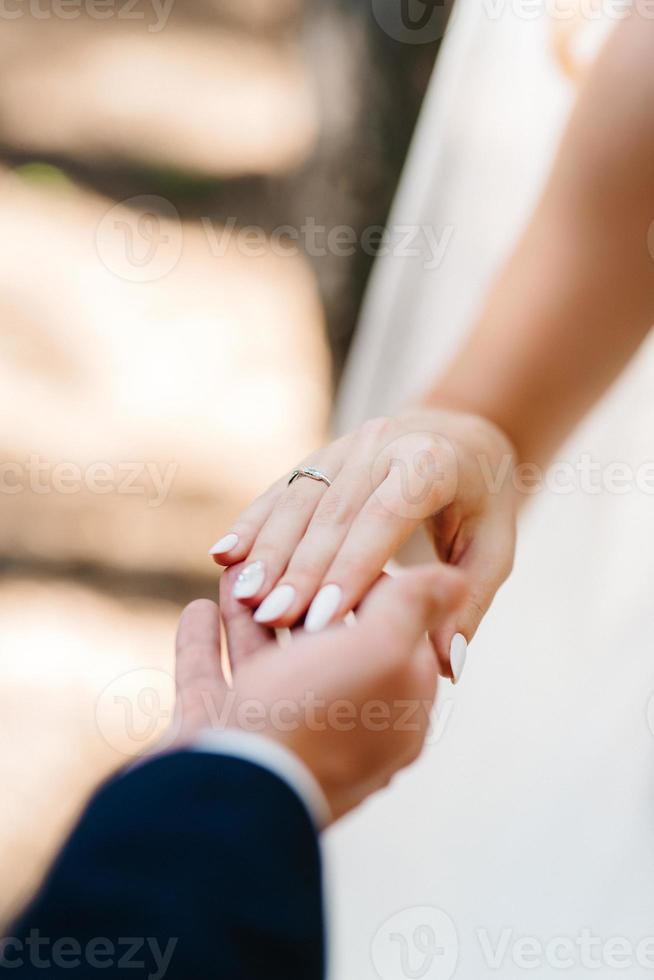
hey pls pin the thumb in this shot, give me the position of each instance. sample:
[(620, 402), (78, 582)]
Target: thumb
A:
[(487, 564), (197, 650)]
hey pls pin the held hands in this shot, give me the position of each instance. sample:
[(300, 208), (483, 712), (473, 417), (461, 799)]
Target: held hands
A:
[(353, 703), (315, 549)]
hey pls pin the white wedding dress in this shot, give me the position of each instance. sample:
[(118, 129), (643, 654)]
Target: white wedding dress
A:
[(522, 843)]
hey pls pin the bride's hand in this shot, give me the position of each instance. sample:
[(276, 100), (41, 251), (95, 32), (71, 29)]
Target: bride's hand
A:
[(319, 548)]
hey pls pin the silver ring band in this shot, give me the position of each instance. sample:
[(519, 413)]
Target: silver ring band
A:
[(311, 473)]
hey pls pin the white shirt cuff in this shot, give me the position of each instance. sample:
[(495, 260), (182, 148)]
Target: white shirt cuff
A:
[(268, 754)]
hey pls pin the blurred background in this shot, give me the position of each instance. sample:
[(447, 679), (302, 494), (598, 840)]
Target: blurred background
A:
[(173, 328)]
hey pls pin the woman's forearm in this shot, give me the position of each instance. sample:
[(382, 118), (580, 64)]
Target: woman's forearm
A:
[(577, 296)]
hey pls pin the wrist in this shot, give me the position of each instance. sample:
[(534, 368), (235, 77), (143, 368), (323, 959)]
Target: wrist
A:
[(276, 755), (442, 401)]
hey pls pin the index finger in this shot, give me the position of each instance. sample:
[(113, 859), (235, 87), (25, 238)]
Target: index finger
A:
[(197, 647), (420, 479), (244, 636)]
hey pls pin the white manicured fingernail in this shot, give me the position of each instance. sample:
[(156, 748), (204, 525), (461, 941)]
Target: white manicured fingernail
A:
[(275, 605), (323, 608), (249, 581), (458, 653), (225, 544)]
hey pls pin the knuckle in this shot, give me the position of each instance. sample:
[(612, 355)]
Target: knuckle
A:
[(294, 499), (191, 665), (305, 569), (246, 531), (348, 567), (424, 442), (419, 481), (378, 428), (431, 458), (475, 609), (336, 509), (385, 503)]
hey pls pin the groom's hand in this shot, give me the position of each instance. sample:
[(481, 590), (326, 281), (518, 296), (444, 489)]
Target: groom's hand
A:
[(353, 702)]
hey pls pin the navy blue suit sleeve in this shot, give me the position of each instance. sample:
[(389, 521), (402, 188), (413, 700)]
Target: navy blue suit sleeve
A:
[(210, 863)]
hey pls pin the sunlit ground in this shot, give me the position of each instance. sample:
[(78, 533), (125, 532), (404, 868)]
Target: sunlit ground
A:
[(145, 402), (62, 646)]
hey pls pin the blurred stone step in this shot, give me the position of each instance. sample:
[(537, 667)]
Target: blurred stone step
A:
[(206, 371), (66, 652), (195, 98)]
